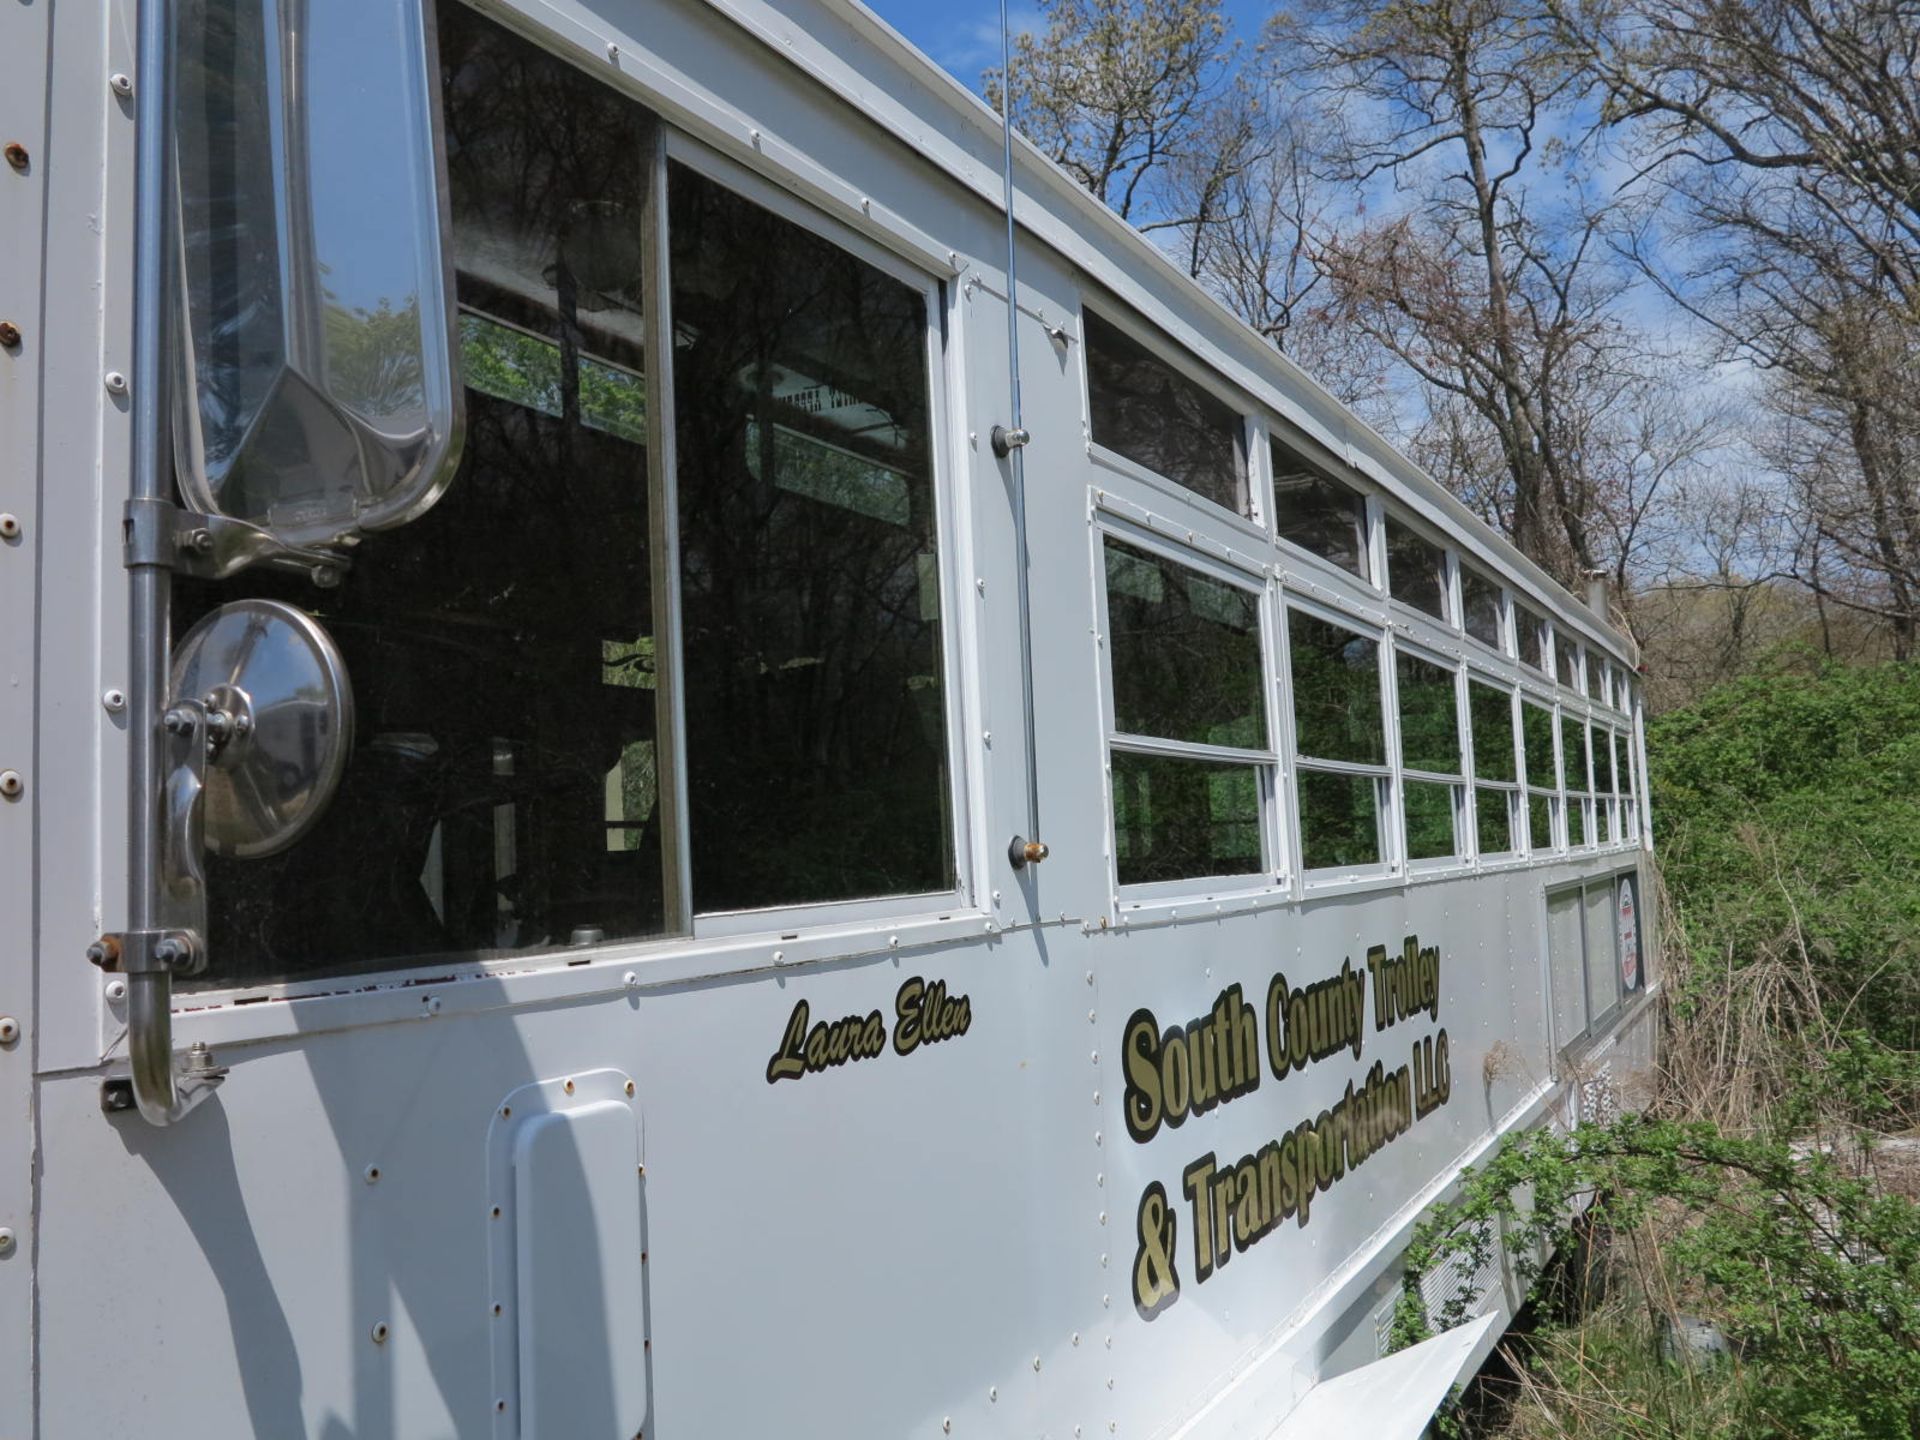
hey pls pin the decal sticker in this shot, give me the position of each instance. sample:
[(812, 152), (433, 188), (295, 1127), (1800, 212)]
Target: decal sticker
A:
[(1185, 1070), (924, 1014)]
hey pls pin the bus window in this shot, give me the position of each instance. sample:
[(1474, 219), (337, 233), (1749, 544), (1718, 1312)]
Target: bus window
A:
[(1430, 763), (1480, 600), (1528, 630), (1496, 777), (503, 792), (1416, 571), (1317, 512), (1543, 781), (1606, 822), (1573, 760), (1566, 655), (1335, 677), (1144, 409), (809, 576), (1184, 651)]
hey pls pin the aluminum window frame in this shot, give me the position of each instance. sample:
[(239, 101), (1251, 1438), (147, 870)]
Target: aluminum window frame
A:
[(1266, 763), (1386, 797), (1460, 785), (1515, 789), (1556, 820), (1111, 310)]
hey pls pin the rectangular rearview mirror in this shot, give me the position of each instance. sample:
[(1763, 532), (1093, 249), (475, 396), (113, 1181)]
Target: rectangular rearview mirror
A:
[(315, 393)]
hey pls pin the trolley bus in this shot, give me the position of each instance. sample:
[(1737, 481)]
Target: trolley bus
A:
[(686, 751)]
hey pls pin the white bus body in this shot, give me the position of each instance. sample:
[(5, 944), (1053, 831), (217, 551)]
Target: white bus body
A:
[(1108, 1143)]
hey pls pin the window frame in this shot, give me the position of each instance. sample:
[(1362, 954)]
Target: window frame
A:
[(1556, 817), (1116, 313), (1460, 784), (1269, 433), (1386, 791), (1515, 789), (1503, 607), (1267, 764), (945, 397), (1393, 518)]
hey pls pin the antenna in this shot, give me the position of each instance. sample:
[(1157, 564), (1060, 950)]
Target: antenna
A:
[(1008, 443)]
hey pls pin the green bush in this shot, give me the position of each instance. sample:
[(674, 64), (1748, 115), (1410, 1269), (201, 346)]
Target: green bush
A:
[(1786, 809)]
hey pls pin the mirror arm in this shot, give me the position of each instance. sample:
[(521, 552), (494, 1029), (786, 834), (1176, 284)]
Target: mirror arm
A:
[(212, 547)]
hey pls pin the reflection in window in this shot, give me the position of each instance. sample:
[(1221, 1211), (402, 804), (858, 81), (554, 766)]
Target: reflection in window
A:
[(1573, 759), (1336, 691), (1429, 814), (1416, 571), (1493, 819), (1480, 598), (1335, 678), (1543, 779), (1147, 410), (1317, 512), (1339, 820), (1175, 818), (1490, 712), (1566, 654), (814, 692), (1429, 746), (503, 789), (1184, 652), (1529, 629)]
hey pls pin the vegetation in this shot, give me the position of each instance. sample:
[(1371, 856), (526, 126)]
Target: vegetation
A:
[(1766, 1198)]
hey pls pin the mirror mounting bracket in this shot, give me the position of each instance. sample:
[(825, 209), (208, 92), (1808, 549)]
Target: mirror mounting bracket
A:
[(212, 547)]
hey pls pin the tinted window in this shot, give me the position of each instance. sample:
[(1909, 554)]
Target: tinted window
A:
[(1416, 571), (1318, 513), (1429, 814), (1336, 691), (1566, 654), (503, 789), (1176, 819), (1145, 409), (1493, 822), (1536, 733), (1339, 820), (1480, 597), (1429, 716), (816, 745), (1528, 627), (1491, 711), (1602, 762), (1186, 652)]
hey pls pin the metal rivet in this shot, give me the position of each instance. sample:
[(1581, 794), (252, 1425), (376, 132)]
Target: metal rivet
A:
[(893, 942), (505, 1111), (1036, 1362), (993, 1392), (6, 1240), (613, 52), (496, 1309), (371, 1174), (11, 784), (9, 1029), (116, 990), (17, 156), (114, 700), (116, 383), (122, 85), (946, 1426), (496, 1212), (9, 527), (630, 979), (379, 1332), (500, 1406), (9, 334), (629, 1087), (568, 1087)]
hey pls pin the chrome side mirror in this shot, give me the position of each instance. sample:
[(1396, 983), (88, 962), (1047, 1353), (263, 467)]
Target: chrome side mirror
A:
[(314, 388)]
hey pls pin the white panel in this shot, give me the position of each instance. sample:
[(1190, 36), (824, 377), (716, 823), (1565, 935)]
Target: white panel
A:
[(1603, 965), (1564, 951), (580, 1304)]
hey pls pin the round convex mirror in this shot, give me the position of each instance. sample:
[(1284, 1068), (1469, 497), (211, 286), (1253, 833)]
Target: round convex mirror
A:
[(280, 722)]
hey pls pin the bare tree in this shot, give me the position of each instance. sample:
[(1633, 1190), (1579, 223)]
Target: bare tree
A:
[(1119, 91), (1786, 135)]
